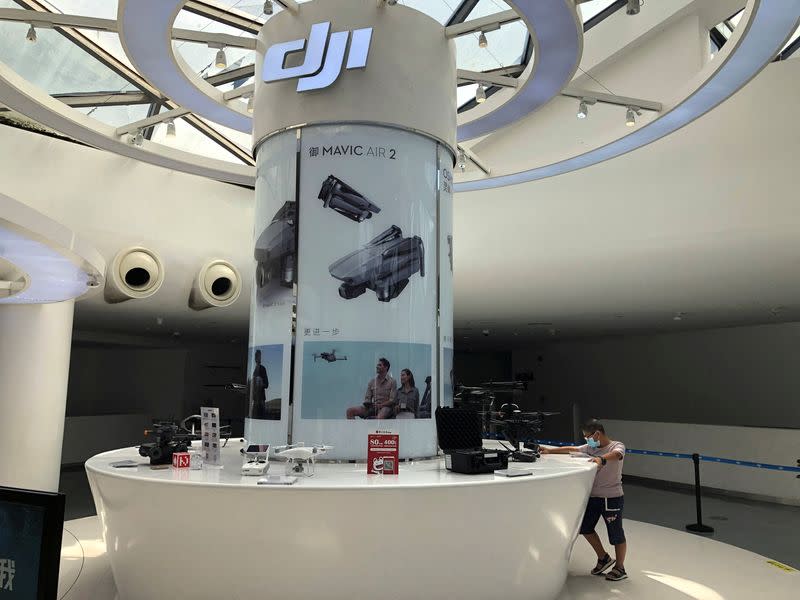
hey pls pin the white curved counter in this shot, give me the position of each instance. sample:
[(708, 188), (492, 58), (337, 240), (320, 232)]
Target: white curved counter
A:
[(339, 534)]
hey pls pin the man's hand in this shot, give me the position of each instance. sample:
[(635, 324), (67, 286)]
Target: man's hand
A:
[(597, 460)]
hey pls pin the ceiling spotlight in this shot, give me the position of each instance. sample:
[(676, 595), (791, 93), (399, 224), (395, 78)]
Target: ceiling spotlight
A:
[(31, 35), (136, 139), (583, 110), (391, 2), (633, 7), (221, 61), (480, 94), (482, 41), (462, 161), (630, 116), (678, 316), (171, 128), (268, 8), (251, 104)]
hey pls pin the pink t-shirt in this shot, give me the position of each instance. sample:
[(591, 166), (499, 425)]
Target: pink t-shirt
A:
[(608, 480)]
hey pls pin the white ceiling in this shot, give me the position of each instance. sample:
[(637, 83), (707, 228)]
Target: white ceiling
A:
[(703, 223)]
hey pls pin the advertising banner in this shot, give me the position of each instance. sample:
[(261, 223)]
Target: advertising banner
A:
[(273, 296), (446, 276), (367, 345)]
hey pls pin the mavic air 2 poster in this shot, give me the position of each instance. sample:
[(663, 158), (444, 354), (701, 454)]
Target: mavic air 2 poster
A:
[(447, 382), (274, 280), (366, 356)]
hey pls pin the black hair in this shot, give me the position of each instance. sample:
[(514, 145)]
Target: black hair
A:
[(385, 362), (593, 425)]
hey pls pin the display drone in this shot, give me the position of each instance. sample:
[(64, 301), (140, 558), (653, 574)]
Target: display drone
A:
[(384, 266), (328, 356), (298, 455), (337, 195), (275, 249)]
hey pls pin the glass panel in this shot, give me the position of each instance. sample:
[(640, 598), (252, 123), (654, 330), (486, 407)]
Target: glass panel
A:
[(189, 139), (593, 8), (108, 41), (54, 63), (484, 8), (102, 9), (116, 116), (201, 58), (506, 47), (441, 10), (465, 93)]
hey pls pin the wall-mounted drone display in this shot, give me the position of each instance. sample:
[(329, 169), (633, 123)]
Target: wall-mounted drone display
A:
[(337, 195), (384, 265), (275, 254)]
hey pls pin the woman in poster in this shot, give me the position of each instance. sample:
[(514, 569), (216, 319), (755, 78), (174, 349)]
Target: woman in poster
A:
[(407, 396)]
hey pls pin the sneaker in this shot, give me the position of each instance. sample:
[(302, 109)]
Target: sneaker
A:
[(616, 574), (603, 564)]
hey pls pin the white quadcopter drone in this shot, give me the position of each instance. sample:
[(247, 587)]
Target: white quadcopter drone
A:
[(298, 455)]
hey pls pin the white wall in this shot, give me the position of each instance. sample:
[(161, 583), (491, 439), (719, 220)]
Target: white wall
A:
[(745, 376), (752, 444), (730, 393)]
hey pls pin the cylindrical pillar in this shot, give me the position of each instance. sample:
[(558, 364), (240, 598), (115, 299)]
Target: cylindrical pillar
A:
[(35, 341), (351, 320)]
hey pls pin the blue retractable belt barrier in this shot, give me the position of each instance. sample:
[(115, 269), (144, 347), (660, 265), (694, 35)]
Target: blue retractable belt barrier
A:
[(714, 459), (697, 527)]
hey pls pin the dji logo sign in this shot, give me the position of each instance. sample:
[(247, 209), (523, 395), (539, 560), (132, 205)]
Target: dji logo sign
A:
[(324, 58)]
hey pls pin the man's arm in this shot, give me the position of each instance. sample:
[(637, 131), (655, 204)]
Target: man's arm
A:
[(370, 392), (615, 454), (558, 450)]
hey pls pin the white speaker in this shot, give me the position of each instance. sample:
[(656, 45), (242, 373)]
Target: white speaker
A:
[(218, 284), (135, 273)]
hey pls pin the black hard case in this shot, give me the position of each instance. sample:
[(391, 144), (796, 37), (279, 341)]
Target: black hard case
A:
[(459, 433)]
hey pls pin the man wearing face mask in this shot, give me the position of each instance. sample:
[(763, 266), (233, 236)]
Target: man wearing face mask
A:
[(606, 499)]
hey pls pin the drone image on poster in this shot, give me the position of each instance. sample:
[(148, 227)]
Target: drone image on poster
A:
[(275, 253), (337, 195), (384, 266), (328, 356)]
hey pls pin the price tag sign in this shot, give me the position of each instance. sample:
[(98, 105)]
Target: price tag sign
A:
[(383, 453)]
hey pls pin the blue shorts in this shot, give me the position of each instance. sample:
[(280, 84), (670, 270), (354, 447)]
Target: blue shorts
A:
[(611, 511)]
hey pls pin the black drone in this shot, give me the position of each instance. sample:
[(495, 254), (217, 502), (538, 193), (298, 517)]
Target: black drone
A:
[(328, 356), (275, 249), (337, 195), (384, 266)]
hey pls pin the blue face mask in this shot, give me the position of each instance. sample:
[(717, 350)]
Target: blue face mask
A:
[(593, 443)]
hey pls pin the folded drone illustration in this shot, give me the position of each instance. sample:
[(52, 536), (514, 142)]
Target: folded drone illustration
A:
[(383, 266), (275, 249), (337, 195)]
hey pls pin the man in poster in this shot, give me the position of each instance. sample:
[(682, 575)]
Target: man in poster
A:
[(258, 389), (380, 398)]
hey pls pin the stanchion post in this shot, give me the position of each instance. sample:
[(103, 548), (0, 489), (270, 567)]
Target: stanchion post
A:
[(698, 527)]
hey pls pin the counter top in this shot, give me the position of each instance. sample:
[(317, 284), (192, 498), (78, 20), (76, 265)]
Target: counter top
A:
[(413, 474)]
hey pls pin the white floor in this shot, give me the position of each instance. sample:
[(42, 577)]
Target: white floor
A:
[(665, 564)]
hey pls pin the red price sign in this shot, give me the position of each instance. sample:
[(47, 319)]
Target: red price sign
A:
[(383, 453)]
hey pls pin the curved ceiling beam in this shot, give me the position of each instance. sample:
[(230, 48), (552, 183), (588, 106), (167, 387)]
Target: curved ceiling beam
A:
[(764, 29), (145, 31), (20, 95), (56, 265), (557, 33)]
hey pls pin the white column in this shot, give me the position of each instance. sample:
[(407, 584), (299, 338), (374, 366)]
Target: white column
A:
[(35, 344)]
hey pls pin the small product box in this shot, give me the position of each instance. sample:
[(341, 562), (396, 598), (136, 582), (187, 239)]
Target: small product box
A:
[(181, 460), (383, 453)]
